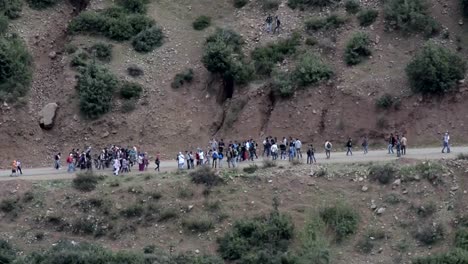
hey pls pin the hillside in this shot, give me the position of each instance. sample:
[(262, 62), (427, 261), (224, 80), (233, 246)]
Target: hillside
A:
[(359, 213), (170, 119)]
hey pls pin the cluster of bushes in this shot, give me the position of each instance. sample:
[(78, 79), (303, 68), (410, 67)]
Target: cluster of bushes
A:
[(184, 77), (86, 182), (148, 39), (302, 4), (223, 56), (206, 176), (15, 68), (102, 51), (309, 71), (96, 86), (388, 101), (130, 90), (261, 240), (314, 246), (367, 17), (41, 4), (201, 22), (435, 70), (357, 48), (340, 218), (3, 24), (410, 16), (266, 57), (11, 8), (382, 173), (329, 22), (352, 6)]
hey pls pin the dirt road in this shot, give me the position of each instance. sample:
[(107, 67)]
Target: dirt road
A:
[(336, 157)]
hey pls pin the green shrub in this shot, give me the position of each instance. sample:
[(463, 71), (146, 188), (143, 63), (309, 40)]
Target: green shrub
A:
[(435, 70), (266, 57), (382, 173), (269, 164), (135, 71), (342, 219), (250, 240), (228, 37), (191, 259), (270, 4), (167, 214), (181, 78), (85, 182), (252, 168), (235, 107), (430, 171), (80, 59), (70, 48), (314, 247), (134, 210), (302, 4), (148, 40), (456, 256), (386, 101), (464, 4), (240, 3), (330, 22), (461, 238), (8, 205), (134, 6), (15, 68), (199, 224), (130, 90), (41, 4), (7, 253), (201, 22), (410, 16), (462, 156), (352, 6), (96, 86), (11, 8), (311, 70), (206, 176), (367, 17), (128, 106), (102, 51), (3, 24), (357, 48), (426, 210), (429, 234), (311, 41)]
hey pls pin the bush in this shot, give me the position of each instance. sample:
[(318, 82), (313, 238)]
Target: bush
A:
[(302, 4), (462, 156), (135, 210), (461, 238), (382, 173), (455, 256), (367, 17), (198, 224), (130, 90), (357, 48), (386, 101), (410, 16), (128, 106), (426, 210), (206, 176), (311, 70), (15, 68), (148, 40), (429, 234), (430, 171), (240, 3), (464, 4), (435, 70), (7, 253), (252, 168), (102, 51), (80, 59), (269, 164), (181, 78), (266, 57), (311, 41), (352, 6), (3, 24), (134, 6), (134, 70), (270, 4), (41, 4), (167, 214), (11, 8), (283, 85), (253, 239), (201, 22), (331, 22), (314, 247), (95, 86), (8, 205), (85, 182), (342, 219)]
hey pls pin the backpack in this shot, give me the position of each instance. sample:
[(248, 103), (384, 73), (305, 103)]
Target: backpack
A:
[(215, 155), (329, 145), (236, 153)]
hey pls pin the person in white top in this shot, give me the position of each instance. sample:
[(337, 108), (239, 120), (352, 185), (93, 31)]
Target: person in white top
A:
[(181, 161), (274, 151), (446, 142), (298, 145), (116, 167), (328, 148)]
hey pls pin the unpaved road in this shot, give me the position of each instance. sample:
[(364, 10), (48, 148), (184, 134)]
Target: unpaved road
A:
[(336, 157)]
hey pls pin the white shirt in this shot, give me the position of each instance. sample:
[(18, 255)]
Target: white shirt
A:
[(274, 148), (298, 144), (181, 159), (446, 138)]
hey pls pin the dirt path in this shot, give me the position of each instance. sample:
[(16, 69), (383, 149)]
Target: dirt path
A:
[(337, 157)]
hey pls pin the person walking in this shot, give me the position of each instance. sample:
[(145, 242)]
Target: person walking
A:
[(70, 163), (269, 21), (57, 161), (403, 145), (157, 162), (274, 151), (187, 158), (278, 25), (116, 166), (310, 155), (446, 142), (18, 167), (391, 143), (220, 159), (215, 157), (191, 160), (282, 148), (14, 167), (180, 161), (365, 145), (349, 146), (328, 148), (298, 146), (398, 146)]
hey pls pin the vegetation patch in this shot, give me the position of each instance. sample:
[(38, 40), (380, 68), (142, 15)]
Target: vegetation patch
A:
[(314, 246), (429, 234), (41, 4), (461, 238), (235, 108), (240, 3), (410, 16), (250, 169), (283, 85), (148, 39), (367, 17), (7, 253), (382, 173), (357, 48), (330, 22), (130, 90), (352, 6), (311, 70), (198, 224), (270, 4), (135, 71), (183, 77), (206, 176), (15, 68), (85, 182), (455, 256), (388, 101), (201, 22), (95, 86), (102, 51), (3, 24), (302, 4), (435, 70), (11, 8), (134, 6), (9, 205), (79, 59), (340, 218)]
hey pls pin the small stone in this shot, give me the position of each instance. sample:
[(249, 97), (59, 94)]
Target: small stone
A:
[(360, 179), (190, 207), (364, 188), (105, 134), (197, 251), (52, 55), (380, 211), (397, 182), (373, 206), (454, 188)]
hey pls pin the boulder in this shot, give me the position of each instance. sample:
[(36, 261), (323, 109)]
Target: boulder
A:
[(47, 116)]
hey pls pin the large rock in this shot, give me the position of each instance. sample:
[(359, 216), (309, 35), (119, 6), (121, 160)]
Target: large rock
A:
[(47, 116)]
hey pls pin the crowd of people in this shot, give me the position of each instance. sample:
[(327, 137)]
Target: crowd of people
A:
[(216, 155)]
